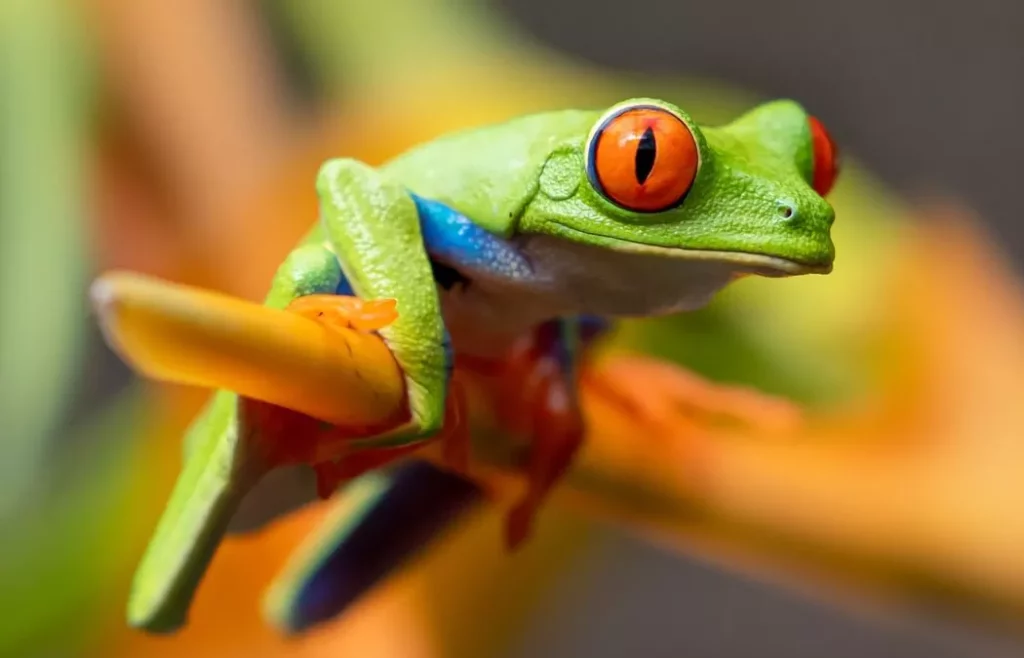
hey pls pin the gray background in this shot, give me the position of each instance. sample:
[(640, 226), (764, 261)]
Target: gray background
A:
[(929, 93)]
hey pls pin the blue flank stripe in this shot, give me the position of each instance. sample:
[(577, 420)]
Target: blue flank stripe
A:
[(453, 239)]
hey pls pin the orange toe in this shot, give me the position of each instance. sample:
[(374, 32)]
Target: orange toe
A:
[(346, 311)]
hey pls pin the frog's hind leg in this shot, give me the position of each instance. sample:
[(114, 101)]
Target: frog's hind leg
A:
[(386, 512), (378, 522), (223, 460)]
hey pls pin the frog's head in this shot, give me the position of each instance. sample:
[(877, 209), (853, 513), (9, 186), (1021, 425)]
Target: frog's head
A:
[(648, 180)]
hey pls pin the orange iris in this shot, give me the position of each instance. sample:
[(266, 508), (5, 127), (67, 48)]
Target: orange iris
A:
[(644, 159)]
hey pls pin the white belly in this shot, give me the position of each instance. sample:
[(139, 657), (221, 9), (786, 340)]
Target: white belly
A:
[(571, 278)]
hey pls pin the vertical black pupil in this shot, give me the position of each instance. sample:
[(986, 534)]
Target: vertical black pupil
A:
[(646, 150)]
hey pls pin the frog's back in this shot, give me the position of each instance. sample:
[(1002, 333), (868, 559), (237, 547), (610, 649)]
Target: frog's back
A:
[(490, 173)]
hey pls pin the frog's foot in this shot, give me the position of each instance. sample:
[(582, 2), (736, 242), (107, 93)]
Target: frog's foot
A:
[(341, 311), (555, 428)]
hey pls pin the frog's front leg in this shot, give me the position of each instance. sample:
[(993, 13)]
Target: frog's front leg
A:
[(543, 367), (372, 225)]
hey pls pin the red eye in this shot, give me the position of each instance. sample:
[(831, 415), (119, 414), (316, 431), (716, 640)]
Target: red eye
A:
[(643, 159), (826, 158)]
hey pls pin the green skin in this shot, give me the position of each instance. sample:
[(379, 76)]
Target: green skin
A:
[(750, 210)]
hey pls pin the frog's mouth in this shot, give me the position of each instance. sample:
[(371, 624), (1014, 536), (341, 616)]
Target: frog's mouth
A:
[(750, 263), (744, 262)]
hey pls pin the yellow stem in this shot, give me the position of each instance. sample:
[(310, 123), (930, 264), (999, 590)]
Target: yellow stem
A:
[(185, 335)]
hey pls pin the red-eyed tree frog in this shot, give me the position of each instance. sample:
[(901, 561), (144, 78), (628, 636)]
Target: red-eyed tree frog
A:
[(513, 242)]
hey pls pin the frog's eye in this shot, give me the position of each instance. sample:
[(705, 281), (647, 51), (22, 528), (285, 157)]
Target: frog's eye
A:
[(826, 158), (643, 159)]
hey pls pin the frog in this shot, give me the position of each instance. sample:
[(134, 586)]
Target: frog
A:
[(515, 243)]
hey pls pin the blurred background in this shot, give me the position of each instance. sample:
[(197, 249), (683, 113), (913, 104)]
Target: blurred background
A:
[(181, 140)]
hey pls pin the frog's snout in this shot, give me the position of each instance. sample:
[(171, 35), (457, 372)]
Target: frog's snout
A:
[(805, 224)]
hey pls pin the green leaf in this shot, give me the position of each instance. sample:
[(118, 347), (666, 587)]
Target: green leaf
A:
[(43, 119)]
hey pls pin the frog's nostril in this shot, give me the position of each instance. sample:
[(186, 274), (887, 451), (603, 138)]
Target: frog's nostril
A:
[(786, 211)]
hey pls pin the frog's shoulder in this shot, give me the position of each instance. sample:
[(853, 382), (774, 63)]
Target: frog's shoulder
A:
[(490, 173)]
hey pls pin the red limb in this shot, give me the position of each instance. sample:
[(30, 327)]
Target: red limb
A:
[(534, 396), (557, 430)]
